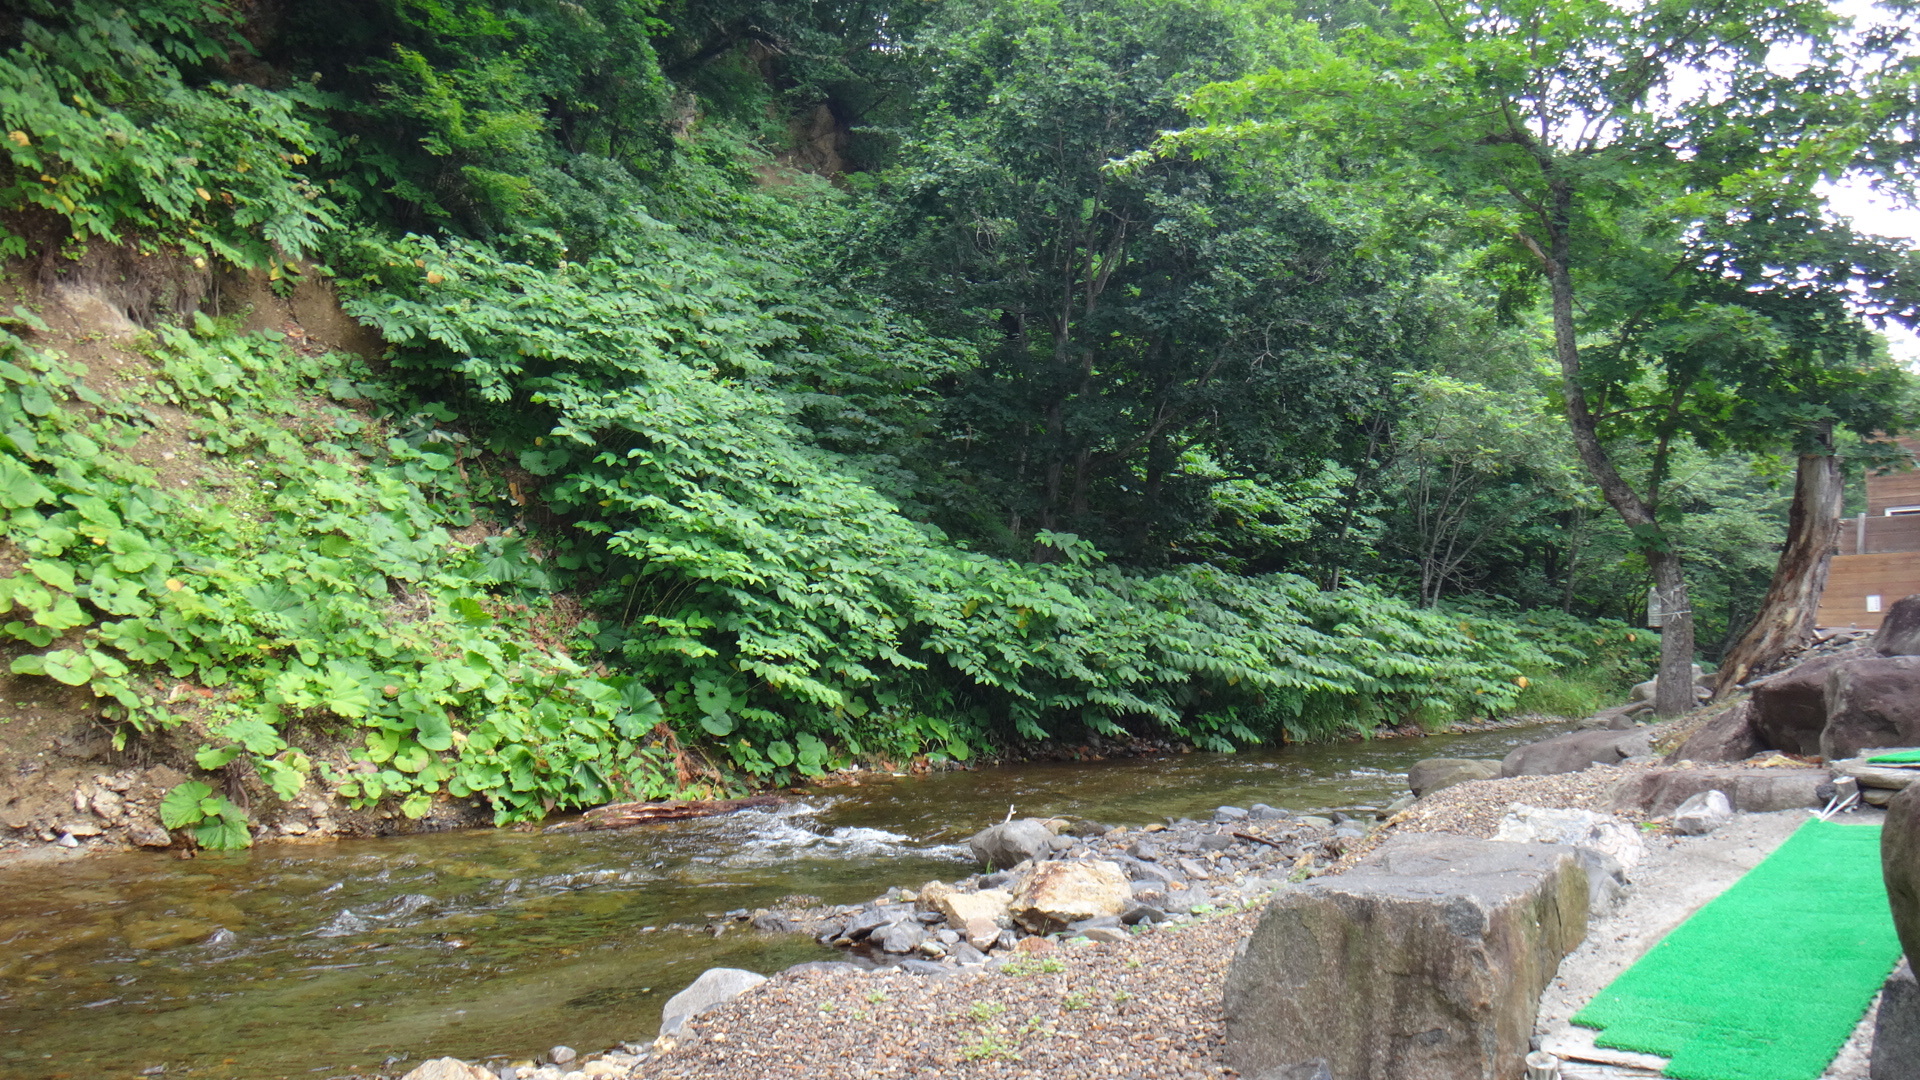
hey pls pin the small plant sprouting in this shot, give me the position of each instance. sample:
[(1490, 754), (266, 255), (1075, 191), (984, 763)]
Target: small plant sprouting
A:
[(1074, 1002)]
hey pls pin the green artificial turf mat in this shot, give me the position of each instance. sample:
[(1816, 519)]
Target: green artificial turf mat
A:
[(1897, 757), (1768, 980)]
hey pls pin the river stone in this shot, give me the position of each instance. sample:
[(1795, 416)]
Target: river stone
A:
[(1871, 704), (981, 933), (1751, 790), (901, 937), (1424, 962), (1729, 736), (1702, 813), (1011, 843), (448, 1068), (1896, 1031), (1574, 752), (715, 986), (961, 908), (1899, 633), (1055, 894), (1434, 774), (1790, 709)]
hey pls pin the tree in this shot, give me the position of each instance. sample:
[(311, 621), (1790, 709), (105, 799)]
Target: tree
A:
[(1591, 144), (1143, 336)]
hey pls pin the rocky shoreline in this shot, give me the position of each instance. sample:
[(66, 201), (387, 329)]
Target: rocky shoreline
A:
[(1084, 950)]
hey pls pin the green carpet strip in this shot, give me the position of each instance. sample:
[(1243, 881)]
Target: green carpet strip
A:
[(1896, 757), (1768, 980)]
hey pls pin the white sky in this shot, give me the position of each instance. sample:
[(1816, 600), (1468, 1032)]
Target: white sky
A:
[(1874, 214)]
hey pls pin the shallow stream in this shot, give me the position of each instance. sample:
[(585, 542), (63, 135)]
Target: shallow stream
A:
[(362, 956)]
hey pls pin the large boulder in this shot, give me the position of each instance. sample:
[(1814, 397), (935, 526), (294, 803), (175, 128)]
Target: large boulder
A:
[(1790, 709), (1750, 790), (1728, 736), (1872, 703), (1424, 962), (1055, 894), (714, 986), (1011, 843), (1575, 751), (1899, 633), (1900, 865), (1434, 774), (1896, 1031)]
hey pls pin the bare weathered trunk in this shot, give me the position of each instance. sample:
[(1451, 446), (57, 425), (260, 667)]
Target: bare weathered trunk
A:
[(1785, 621)]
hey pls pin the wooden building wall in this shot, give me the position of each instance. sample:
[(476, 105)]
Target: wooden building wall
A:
[(1878, 555)]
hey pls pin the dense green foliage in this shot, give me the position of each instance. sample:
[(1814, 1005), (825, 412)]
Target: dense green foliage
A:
[(1013, 432)]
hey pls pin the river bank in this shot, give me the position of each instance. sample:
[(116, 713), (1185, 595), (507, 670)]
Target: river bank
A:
[(360, 957), (74, 795), (1146, 1004)]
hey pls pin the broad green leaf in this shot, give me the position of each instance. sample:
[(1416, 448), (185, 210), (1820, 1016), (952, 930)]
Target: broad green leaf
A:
[(181, 806)]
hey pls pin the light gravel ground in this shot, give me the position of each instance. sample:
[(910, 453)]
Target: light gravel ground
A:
[(1147, 1009)]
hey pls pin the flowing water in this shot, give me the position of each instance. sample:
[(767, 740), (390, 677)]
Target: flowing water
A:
[(324, 960)]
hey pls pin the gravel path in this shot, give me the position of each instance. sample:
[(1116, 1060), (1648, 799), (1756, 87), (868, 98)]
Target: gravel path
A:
[(1146, 1009)]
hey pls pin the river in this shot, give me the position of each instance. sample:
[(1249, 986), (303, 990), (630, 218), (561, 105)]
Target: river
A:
[(362, 956)]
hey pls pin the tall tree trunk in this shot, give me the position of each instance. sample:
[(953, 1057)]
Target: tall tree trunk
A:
[(1674, 695), (1785, 621)]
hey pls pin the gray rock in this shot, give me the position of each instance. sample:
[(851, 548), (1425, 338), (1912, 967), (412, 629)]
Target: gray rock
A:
[(1896, 1032), (901, 937), (1226, 814), (1146, 871), (1315, 821), (1435, 774), (866, 922), (1142, 913), (1790, 709), (1088, 924), (1729, 736), (837, 967), (1606, 878), (924, 967), (1425, 962), (1872, 703), (771, 923), (1145, 850), (1262, 812), (966, 955), (1216, 842), (1194, 870), (560, 1055), (1007, 939), (1009, 844), (715, 986), (1899, 635), (1703, 813), (1750, 790), (1574, 752), (1106, 935)]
